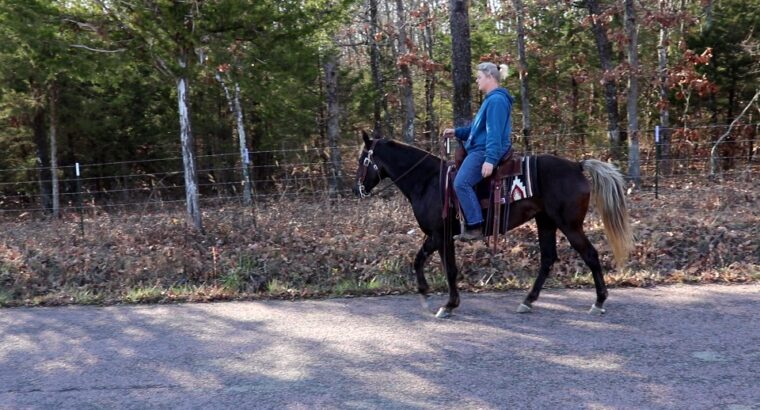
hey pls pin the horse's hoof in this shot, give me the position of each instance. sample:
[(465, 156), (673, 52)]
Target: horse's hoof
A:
[(523, 308), (424, 302), (597, 311), (443, 313)]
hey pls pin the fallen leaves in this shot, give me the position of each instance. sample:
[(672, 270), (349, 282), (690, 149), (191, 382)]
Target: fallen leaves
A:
[(695, 232)]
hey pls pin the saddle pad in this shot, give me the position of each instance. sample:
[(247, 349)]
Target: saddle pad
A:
[(522, 186), (525, 185)]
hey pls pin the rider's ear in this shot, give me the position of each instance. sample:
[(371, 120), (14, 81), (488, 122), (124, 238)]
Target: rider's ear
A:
[(365, 137)]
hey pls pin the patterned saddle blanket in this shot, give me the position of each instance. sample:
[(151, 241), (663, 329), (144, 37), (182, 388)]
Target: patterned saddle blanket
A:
[(513, 188)]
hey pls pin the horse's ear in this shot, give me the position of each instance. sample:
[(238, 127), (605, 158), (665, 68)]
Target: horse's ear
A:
[(366, 139)]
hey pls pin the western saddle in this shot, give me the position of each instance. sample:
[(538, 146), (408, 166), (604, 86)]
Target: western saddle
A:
[(489, 190)]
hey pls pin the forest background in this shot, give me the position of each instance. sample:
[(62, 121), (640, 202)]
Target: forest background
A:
[(203, 104)]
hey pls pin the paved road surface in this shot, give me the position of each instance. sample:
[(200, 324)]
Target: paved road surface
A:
[(667, 347)]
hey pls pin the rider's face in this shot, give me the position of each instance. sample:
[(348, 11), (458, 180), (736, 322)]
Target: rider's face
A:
[(484, 81)]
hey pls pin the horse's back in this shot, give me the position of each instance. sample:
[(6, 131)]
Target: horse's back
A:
[(561, 179)]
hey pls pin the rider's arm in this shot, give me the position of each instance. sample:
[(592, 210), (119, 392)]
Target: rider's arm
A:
[(462, 133)]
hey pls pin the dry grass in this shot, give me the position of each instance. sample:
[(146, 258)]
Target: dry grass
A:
[(696, 232)]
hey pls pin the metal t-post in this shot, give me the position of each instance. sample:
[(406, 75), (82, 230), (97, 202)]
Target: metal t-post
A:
[(657, 161), (79, 199)]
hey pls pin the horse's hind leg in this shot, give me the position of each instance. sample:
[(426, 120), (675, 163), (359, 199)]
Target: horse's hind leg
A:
[(428, 247), (583, 246), (547, 240)]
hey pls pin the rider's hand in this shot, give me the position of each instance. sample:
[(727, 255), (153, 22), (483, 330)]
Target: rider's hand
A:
[(486, 170), (448, 133)]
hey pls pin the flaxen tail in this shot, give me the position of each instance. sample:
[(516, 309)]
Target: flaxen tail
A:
[(607, 192)]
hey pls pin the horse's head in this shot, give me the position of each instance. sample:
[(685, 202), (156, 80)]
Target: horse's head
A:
[(370, 172)]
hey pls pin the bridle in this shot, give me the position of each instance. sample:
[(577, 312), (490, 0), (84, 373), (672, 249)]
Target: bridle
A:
[(369, 161)]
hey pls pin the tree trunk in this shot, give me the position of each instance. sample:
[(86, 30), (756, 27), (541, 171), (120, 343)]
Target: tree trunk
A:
[(574, 108), (731, 99), (682, 20), (751, 145), (407, 94), (662, 52), (634, 165), (461, 57), (707, 6), (242, 141), (321, 114), (53, 111), (381, 117), (431, 120), (393, 100), (247, 194), (333, 121), (43, 158), (523, 71), (188, 153), (592, 104), (236, 110), (610, 87)]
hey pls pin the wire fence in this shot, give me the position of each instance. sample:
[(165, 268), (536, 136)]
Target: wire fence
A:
[(152, 184)]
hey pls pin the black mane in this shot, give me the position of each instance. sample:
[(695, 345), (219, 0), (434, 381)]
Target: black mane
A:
[(407, 156)]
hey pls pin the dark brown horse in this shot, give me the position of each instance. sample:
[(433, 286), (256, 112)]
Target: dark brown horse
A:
[(562, 204)]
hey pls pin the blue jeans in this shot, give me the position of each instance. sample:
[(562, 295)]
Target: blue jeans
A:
[(468, 175)]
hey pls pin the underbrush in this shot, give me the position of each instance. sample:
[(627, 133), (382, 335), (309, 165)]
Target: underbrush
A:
[(695, 232)]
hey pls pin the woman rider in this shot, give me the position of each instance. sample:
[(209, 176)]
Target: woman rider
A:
[(486, 141)]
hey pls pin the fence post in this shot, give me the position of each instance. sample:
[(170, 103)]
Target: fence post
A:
[(656, 161), (79, 199)]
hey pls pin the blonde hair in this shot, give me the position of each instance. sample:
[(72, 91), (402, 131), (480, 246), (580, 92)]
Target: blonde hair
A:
[(499, 72)]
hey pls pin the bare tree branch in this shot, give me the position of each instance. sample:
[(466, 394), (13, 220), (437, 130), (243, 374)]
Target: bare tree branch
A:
[(82, 25), (162, 67), (357, 44), (713, 151), (97, 50)]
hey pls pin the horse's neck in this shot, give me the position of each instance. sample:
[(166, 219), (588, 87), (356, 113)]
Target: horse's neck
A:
[(410, 170)]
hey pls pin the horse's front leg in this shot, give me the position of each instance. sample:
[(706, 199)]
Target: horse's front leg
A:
[(446, 250), (430, 245)]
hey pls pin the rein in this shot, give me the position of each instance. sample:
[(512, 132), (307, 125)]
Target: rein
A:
[(368, 161)]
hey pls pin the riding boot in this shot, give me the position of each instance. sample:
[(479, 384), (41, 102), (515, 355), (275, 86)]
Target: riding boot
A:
[(471, 233)]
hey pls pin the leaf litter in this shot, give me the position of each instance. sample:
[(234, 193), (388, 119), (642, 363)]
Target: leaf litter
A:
[(696, 231)]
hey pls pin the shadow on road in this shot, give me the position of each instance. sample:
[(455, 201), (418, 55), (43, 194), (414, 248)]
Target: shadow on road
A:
[(665, 347)]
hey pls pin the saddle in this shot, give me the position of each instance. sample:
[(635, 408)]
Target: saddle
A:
[(509, 165), (490, 191)]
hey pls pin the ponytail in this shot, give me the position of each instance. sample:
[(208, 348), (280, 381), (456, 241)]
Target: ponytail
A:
[(503, 72)]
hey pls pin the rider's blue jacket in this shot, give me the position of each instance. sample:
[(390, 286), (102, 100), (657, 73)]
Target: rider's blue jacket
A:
[(490, 131)]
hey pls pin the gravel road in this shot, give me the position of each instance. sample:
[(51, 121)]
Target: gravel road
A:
[(674, 347)]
